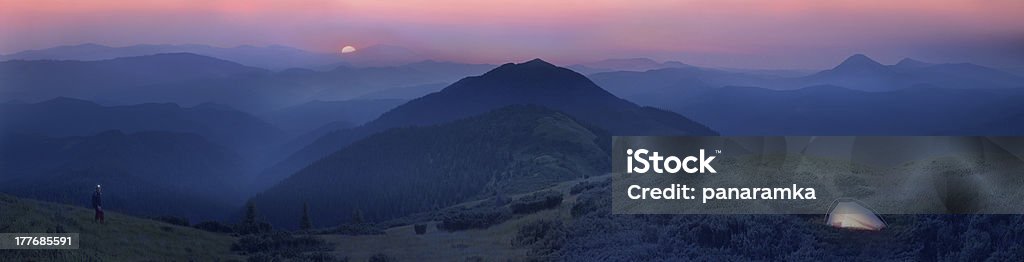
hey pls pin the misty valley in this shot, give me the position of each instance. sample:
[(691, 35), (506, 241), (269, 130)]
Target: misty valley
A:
[(322, 159)]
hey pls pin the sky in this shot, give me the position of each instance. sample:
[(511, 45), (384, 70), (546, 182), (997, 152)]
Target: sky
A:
[(723, 33)]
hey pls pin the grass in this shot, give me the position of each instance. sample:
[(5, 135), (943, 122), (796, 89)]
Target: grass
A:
[(491, 244), (122, 238), (127, 238)]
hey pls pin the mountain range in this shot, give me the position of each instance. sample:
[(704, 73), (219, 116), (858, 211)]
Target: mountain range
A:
[(858, 72), (833, 110), (862, 73), (149, 173), (62, 117), (535, 82), (186, 127), (114, 79), (624, 64), (401, 171), (273, 57), (191, 79)]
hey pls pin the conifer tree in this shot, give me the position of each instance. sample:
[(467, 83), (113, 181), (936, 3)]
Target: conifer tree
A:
[(250, 213), (357, 217), (304, 223)]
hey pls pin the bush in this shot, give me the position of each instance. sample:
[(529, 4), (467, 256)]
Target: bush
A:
[(314, 256), (591, 202), (253, 228), (582, 186), (543, 237), (381, 257), (354, 230), (531, 232), (420, 229), (280, 245), (214, 226), (473, 218), (173, 220), (536, 202)]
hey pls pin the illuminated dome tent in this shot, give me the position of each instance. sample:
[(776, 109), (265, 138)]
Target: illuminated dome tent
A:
[(849, 214)]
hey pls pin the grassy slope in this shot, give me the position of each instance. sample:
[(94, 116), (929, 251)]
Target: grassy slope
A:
[(122, 238), (491, 244)]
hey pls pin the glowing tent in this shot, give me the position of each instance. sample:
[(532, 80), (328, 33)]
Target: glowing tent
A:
[(849, 214)]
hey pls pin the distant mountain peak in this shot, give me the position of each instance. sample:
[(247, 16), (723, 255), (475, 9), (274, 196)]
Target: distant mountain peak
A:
[(519, 70), (537, 62), (859, 60), (535, 82), (860, 63)]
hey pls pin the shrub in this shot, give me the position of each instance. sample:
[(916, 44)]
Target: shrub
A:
[(536, 202), (314, 256), (473, 218), (57, 229), (544, 237), (591, 202), (253, 228), (279, 245), (354, 230), (381, 257), (582, 186)]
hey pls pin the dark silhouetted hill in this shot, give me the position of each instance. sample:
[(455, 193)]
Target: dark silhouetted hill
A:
[(144, 173), (270, 57), (534, 82), (190, 79), (405, 170), (110, 79), (831, 110), (63, 116), (859, 72)]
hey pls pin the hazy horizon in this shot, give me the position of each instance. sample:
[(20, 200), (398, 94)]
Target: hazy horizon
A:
[(787, 34), (892, 61)]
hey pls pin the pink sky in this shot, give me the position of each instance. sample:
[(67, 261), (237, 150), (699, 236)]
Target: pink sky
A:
[(766, 34)]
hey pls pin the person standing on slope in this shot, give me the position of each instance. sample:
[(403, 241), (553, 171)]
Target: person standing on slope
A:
[(97, 204)]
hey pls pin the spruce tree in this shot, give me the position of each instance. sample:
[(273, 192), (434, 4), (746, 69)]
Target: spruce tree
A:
[(357, 217), (250, 213), (304, 223)]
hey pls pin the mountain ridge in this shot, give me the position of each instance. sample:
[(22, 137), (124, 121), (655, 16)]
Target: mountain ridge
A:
[(534, 82), (147, 173), (518, 148)]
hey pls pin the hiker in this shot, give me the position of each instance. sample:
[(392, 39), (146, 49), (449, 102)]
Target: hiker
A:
[(97, 204)]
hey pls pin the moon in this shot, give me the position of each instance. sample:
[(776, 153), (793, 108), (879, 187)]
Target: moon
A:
[(348, 49)]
